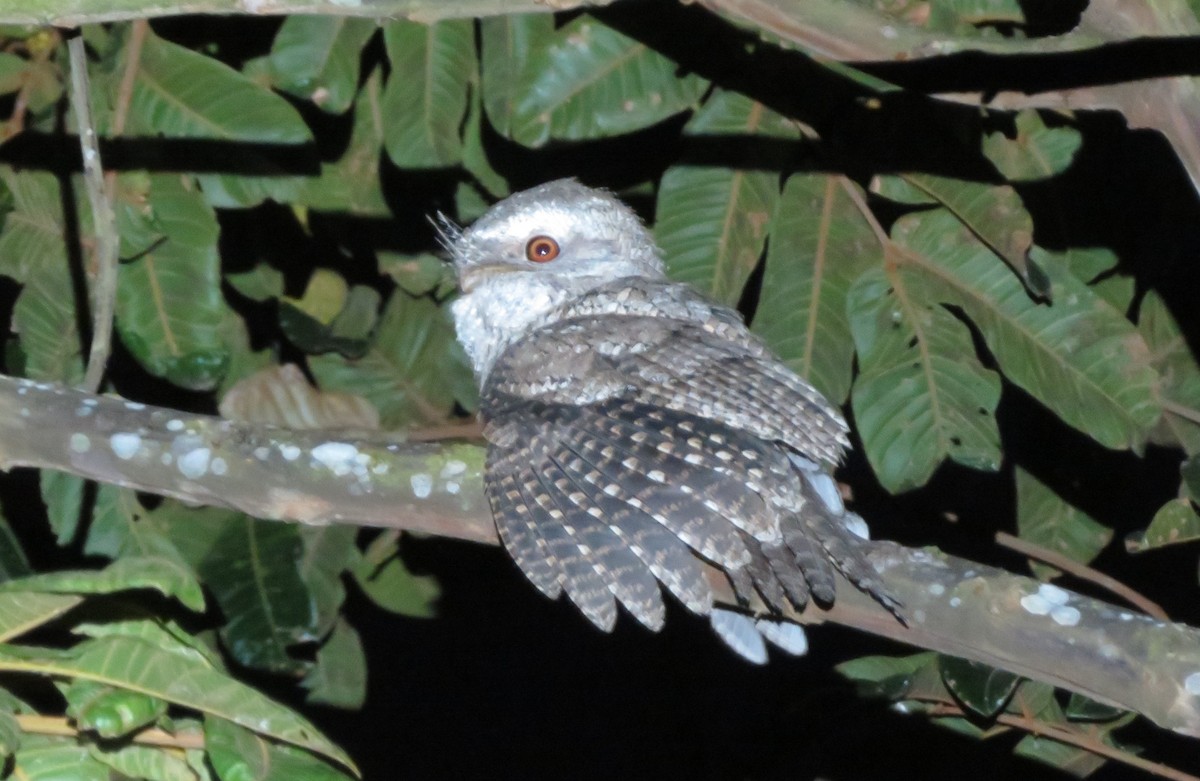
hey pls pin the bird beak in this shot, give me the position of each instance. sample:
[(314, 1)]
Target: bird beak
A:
[(470, 278)]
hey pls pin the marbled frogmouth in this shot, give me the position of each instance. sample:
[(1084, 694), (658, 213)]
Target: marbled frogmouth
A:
[(635, 427)]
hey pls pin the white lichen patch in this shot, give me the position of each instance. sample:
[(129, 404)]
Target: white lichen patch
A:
[(422, 485), (452, 468), (83, 411), (135, 406), (1064, 615), (80, 443), (1035, 604), (955, 601), (289, 452), (218, 466), (452, 487), (380, 468), (174, 424), (337, 457), (194, 463), (125, 445), (1192, 684), (1053, 594), (937, 589), (262, 452)]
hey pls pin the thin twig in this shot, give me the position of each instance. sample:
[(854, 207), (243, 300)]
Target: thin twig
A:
[(1181, 410), (1077, 739), (58, 725), (104, 290), (1083, 572)]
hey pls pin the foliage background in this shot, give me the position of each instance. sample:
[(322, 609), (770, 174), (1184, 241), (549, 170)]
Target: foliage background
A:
[(276, 179)]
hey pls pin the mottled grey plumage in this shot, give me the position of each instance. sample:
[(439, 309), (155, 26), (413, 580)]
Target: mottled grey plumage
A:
[(633, 425)]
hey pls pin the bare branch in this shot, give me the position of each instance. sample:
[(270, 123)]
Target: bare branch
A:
[(954, 606)]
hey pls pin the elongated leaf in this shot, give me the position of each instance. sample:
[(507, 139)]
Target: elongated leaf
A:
[(46, 320), (45, 758), (150, 763), (1176, 365), (507, 42), (163, 575), (34, 235), (340, 675), (13, 563), (425, 99), (241, 754), (169, 303), (387, 582), (63, 495), (1078, 356), (590, 81), (142, 667), (1045, 519), (317, 58), (981, 688), (23, 612), (329, 551), (179, 93), (1175, 522), (351, 183), (411, 373), (922, 395), (1037, 152), (820, 243), (995, 215), (252, 572)]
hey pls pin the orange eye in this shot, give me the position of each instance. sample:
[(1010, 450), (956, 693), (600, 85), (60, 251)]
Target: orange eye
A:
[(541, 249)]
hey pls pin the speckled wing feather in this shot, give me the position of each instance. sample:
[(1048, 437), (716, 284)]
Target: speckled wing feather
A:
[(658, 418)]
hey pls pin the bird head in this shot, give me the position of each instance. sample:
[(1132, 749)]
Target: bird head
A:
[(561, 228)]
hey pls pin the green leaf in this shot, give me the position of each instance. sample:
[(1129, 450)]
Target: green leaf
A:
[(922, 395), (1179, 388), (13, 563), (1080, 708), (34, 235), (1037, 152), (262, 283), (820, 243), (1078, 356), (425, 99), (317, 58), (10, 733), (712, 222), (179, 93), (13, 71), (46, 321), (385, 580), (411, 373), (1175, 522), (169, 302), (239, 755), (141, 667), (507, 42), (980, 688), (1077, 761), (340, 675), (24, 612), (163, 575), (416, 275), (995, 215), (1046, 520), (351, 183), (889, 677), (145, 762), (251, 570), (589, 81), (108, 711), (44, 758), (329, 551), (63, 495)]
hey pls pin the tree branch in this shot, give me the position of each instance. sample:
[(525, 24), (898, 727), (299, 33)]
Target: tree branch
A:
[(954, 606)]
